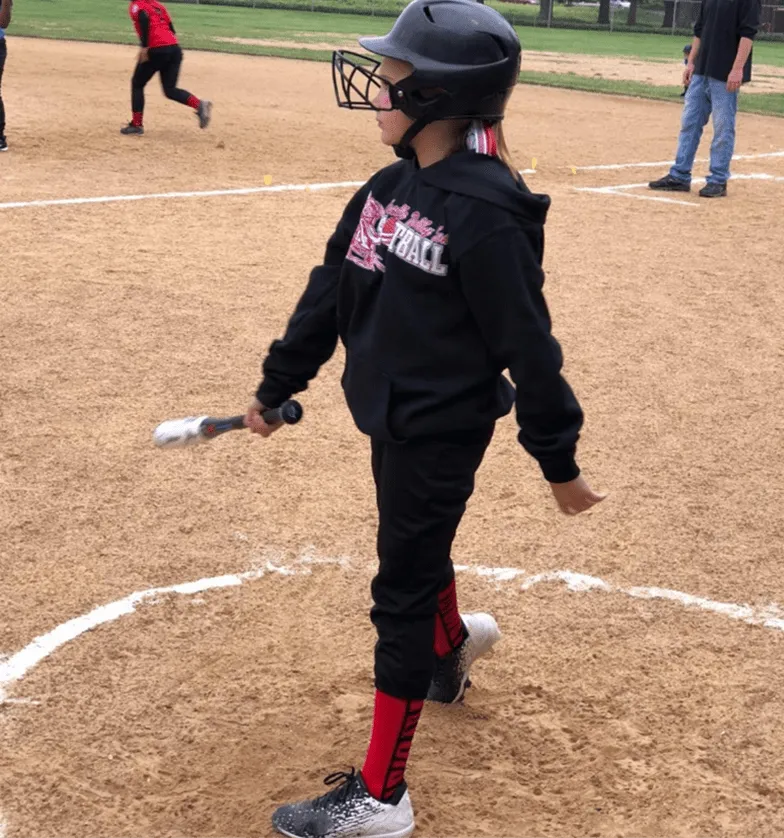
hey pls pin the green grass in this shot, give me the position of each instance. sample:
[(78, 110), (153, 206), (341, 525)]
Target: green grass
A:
[(629, 45), (648, 17), (199, 25), (768, 104), (107, 20)]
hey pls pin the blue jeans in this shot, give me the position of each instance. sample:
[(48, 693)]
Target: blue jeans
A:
[(705, 95)]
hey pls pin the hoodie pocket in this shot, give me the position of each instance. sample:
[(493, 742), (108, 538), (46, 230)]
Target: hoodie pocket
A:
[(369, 396)]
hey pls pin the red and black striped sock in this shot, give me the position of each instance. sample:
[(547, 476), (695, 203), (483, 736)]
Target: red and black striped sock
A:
[(193, 102), (137, 118), (394, 723), (450, 632)]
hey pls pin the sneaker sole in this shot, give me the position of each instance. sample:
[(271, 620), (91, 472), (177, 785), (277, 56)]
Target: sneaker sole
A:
[(401, 833), (466, 683)]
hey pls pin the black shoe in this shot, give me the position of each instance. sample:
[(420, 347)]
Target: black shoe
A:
[(130, 128), (670, 184), (204, 113), (348, 811), (714, 190), (3, 143)]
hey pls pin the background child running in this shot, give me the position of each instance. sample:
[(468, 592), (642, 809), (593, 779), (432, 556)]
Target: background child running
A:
[(160, 53)]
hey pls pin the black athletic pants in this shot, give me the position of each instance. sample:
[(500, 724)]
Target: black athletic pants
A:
[(3, 53), (163, 60), (422, 487)]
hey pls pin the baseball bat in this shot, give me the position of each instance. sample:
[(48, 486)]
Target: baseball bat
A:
[(191, 430)]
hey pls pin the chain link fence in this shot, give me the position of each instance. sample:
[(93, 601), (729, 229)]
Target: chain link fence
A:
[(664, 16), (670, 16)]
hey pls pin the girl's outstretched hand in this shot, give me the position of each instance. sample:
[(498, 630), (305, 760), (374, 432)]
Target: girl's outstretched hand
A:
[(575, 496)]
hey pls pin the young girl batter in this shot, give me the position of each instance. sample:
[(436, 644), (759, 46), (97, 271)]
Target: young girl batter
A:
[(433, 282)]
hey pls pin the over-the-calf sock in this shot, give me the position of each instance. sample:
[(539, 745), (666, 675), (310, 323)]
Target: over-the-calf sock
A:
[(394, 724), (450, 631), (193, 102), (137, 118)]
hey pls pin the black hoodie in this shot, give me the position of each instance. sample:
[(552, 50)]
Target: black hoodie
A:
[(433, 281)]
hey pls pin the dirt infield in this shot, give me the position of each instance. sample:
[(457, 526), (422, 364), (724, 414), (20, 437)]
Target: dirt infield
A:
[(605, 711)]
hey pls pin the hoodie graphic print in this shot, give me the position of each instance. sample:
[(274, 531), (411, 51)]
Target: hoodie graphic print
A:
[(409, 235)]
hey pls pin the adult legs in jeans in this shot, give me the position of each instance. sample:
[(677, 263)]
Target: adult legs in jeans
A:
[(696, 111), (725, 108)]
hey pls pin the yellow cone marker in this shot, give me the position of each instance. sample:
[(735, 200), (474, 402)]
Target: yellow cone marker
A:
[(533, 162), (574, 170), (267, 180)]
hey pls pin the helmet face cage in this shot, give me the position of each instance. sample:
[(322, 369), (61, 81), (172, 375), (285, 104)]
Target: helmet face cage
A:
[(355, 81), (356, 84)]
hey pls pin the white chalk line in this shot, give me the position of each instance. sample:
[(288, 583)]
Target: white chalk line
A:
[(611, 190), (620, 188), (208, 193), (608, 167), (754, 176), (309, 187), (15, 667)]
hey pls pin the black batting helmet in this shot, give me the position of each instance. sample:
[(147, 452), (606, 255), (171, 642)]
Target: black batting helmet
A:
[(465, 58)]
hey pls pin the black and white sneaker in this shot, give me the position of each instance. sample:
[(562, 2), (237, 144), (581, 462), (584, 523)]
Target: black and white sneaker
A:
[(204, 113), (347, 811), (3, 143), (450, 679)]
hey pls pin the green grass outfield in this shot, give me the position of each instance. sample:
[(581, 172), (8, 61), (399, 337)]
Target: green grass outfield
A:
[(199, 25)]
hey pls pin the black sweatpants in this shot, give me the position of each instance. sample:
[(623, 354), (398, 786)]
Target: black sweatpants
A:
[(422, 487), (3, 53), (163, 60)]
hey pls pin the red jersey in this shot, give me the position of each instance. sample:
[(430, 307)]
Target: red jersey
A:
[(152, 23)]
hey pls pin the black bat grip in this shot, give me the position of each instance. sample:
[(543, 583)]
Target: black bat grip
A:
[(289, 412)]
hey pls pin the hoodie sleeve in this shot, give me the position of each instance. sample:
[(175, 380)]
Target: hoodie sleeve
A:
[(312, 332), (502, 280)]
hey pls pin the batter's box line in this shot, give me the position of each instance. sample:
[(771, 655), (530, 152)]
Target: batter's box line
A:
[(620, 189), (609, 167), (18, 665)]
